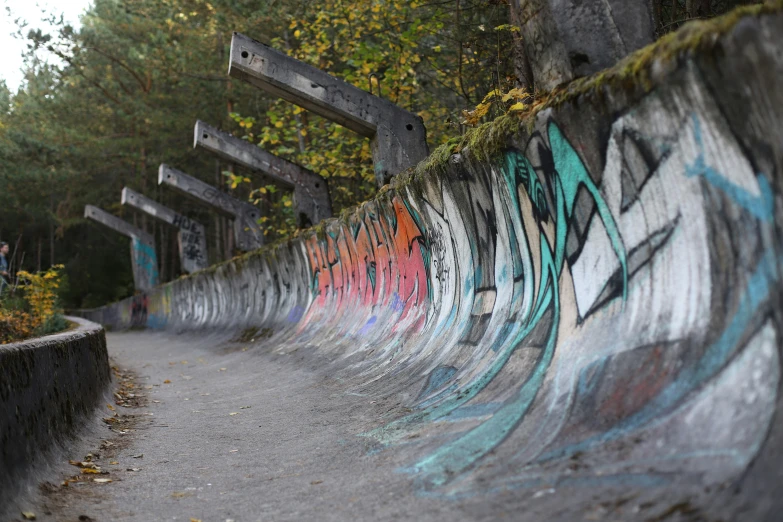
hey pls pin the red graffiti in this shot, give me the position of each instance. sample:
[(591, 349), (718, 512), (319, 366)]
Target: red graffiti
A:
[(376, 259)]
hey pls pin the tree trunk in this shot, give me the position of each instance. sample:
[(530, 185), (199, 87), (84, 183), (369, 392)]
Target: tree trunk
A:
[(522, 71), (658, 15), (51, 230), (218, 220)]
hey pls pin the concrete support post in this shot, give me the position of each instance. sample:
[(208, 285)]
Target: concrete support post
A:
[(144, 259), (399, 139), (311, 192), (191, 235), (247, 232), (566, 39)]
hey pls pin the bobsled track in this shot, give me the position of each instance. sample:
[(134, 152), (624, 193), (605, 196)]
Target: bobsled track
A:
[(575, 317)]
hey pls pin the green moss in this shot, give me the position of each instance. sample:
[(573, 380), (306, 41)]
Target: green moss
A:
[(634, 74), (637, 71)]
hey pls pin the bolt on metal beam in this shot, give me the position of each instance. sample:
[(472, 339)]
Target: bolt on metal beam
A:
[(191, 235), (247, 232), (311, 191), (399, 139), (144, 258)]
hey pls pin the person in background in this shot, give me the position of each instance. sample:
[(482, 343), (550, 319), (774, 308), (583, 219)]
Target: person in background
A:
[(4, 277)]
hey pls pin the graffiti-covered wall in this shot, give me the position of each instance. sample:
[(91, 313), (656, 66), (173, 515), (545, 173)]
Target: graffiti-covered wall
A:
[(605, 291)]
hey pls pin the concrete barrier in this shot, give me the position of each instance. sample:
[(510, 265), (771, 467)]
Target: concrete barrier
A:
[(49, 385), (590, 294)]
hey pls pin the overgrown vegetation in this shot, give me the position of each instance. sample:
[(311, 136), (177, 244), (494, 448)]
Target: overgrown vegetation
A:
[(129, 84), (31, 307)]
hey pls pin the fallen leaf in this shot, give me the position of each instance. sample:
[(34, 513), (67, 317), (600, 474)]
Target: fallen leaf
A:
[(88, 465), (244, 407), (110, 407), (167, 381), (222, 370), (183, 362), (139, 456), (91, 470), (181, 494), (233, 413), (156, 401), (28, 515), (195, 520), (133, 469), (113, 462), (233, 451), (101, 480), (316, 482)]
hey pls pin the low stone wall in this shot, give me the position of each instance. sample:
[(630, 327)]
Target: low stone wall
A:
[(598, 283), (48, 386)]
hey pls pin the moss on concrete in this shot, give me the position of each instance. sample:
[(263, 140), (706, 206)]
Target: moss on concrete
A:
[(638, 73)]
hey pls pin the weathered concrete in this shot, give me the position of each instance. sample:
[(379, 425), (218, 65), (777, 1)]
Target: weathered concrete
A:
[(144, 257), (247, 232), (49, 386), (578, 318), (191, 235), (311, 191), (399, 139), (566, 39)]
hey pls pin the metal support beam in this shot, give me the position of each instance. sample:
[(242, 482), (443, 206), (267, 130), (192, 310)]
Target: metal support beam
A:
[(247, 232), (144, 259), (191, 235), (399, 139), (311, 192)]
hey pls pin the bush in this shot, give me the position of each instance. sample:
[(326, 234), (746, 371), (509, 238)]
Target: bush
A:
[(38, 313)]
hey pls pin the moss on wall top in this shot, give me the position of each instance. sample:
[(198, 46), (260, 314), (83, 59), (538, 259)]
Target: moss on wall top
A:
[(636, 74)]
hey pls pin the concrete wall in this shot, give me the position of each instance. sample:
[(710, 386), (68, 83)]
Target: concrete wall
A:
[(605, 291), (49, 385)]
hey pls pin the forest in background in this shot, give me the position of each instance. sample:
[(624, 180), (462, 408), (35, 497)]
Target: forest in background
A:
[(130, 83)]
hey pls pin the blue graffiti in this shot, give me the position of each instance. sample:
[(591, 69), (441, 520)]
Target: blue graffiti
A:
[(147, 260), (568, 177), (714, 358), (296, 313), (762, 206)]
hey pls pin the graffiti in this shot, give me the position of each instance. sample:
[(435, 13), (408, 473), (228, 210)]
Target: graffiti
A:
[(145, 263), (139, 310), (575, 295), (378, 259)]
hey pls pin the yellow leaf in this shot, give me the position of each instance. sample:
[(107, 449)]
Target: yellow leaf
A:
[(28, 515), (515, 94), (167, 381), (518, 106), (297, 33), (303, 132), (278, 124)]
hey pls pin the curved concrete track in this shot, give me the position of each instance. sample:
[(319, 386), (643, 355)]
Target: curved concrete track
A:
[(232, 431), (584, 325)]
